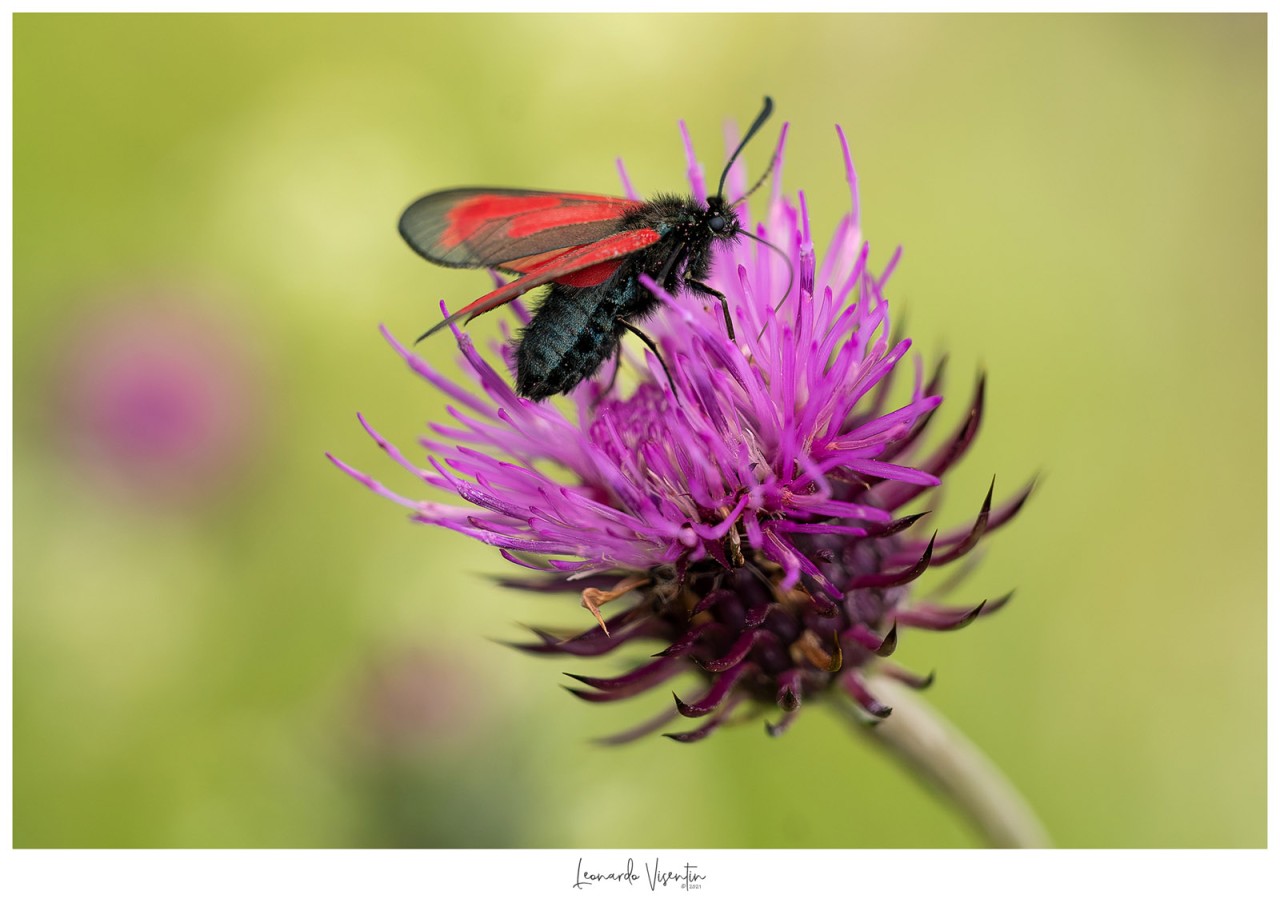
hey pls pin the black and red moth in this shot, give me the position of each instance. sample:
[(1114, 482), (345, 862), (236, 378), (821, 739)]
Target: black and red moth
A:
[(591, 250)]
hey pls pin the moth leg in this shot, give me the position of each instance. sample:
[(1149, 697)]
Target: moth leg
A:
[(648, 341), (708, 291), (613, 378)]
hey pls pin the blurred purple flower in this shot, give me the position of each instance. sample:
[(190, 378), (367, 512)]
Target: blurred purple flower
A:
[(756, 513), (413, 696), (160, 397)]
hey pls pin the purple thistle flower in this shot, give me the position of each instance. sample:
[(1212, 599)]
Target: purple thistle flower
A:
[(160, 397), (757, 513)]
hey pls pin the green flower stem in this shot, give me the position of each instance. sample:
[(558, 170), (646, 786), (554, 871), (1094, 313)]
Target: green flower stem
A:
[(932, 747)]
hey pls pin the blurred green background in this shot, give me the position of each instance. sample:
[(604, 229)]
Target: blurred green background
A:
[(221, 641)]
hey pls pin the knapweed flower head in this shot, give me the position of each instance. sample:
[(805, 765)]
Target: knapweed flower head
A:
[(160, 397), (752, 507)]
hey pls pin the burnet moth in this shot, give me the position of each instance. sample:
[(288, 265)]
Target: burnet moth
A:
[(591, 250)]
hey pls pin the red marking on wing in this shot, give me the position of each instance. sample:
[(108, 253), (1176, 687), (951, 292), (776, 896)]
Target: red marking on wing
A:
[(522, 216), (482, 227), (579, 267), (526, 264), (587, 277), (591, 275)]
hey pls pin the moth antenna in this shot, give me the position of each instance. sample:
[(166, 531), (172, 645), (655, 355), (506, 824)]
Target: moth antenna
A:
[(763, 175), (755, 126), (791, 269)]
